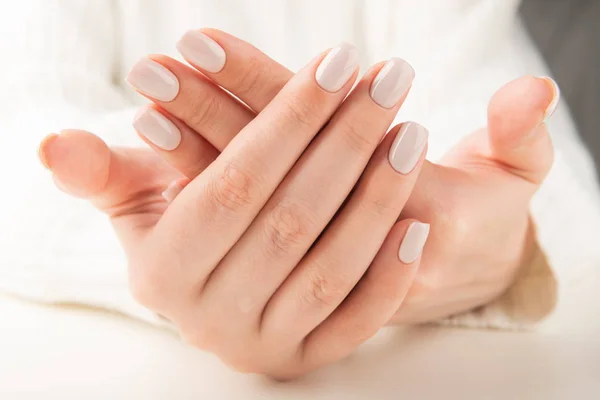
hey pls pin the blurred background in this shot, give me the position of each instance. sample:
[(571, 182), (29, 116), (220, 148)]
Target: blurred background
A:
[(567, 34)]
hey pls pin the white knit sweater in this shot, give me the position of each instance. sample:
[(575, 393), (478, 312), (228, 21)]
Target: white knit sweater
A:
[(63, 67)]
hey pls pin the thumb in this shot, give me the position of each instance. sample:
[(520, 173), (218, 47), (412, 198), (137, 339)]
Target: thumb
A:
[(518, 137), (84, 166)]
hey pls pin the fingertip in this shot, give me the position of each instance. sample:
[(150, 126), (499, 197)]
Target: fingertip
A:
[(520, 106), (554, 95), (413, 242), (408, 148), (404, 244), (78, 160)]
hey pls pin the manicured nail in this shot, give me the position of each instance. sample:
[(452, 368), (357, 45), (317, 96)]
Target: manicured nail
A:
[(45, 149), (337, 67), (413, 242), (157, 128), (555, 98), (392, 82), (172, 191), (153, 80), (408, 147), (201, 51)]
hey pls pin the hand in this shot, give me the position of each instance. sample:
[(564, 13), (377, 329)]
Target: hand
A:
[(251, 261), (476, 199)]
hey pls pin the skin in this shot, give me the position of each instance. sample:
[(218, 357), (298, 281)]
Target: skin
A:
[(257, 291)]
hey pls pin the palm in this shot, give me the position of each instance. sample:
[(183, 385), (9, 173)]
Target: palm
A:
[(478, 209)]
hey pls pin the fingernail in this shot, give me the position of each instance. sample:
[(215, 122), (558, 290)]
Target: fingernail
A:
[(153, 80), (201, 51), (555, 97), (172, 191), (413, 242), (157, 128), (392, 82), (45, 149), (408, 147), (337, 67)]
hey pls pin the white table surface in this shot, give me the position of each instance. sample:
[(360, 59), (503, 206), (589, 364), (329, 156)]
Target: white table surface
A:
[(76, 353)]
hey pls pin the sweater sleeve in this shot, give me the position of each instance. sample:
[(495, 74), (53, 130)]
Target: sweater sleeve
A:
[(60, 71)]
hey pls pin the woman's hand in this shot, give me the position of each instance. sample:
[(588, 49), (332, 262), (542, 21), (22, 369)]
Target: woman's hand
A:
[(266, 258), (477, 199)]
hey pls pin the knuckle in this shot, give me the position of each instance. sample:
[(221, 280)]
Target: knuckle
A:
[(380, 205), (234, 190), (203, 111), (287, 225), (250, 79), (355, 135), (300, 111), (323, 289)]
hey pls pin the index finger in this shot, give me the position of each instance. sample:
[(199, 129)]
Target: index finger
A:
[(235, 65), (228, 195)]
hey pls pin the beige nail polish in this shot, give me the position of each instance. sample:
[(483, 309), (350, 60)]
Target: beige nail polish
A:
[(413, 242), (408, 147), (202, 51), (337, 67), (153, 80), (157, 128), (392, 82), (555, 99), (172, 191)]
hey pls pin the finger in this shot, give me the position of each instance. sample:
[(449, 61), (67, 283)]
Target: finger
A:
[(234, 64), (190, 97), (84, 166), (518, 138), (373, 301), (228, 195), (299, 211), (336, 263), (118, 181), (174, 189), (183, 148), (249, 74)]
